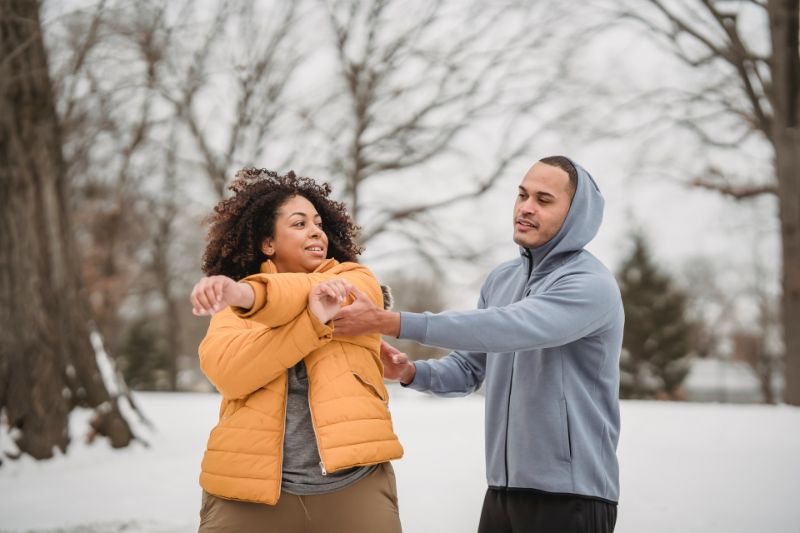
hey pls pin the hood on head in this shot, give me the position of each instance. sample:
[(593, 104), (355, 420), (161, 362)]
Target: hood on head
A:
[(581, 225)]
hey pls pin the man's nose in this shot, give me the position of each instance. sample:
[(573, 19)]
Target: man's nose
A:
[(527, 208)]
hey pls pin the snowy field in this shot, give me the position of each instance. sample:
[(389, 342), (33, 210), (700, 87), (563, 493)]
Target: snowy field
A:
[(686, 468)]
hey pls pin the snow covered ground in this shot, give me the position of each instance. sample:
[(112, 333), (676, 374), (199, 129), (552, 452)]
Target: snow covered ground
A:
[(685, 467)]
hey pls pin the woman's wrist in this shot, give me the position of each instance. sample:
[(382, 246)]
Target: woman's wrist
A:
[(245, 296), (410, 374)]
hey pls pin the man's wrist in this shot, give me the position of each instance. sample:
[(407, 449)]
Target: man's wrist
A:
[(389, 323)]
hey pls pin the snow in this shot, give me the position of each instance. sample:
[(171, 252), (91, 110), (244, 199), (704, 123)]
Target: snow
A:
[(716, 379), (684, 467)]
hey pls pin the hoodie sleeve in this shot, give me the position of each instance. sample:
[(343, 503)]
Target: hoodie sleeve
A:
[(280, 298), (240, 357), (458, 374), (573, 307)]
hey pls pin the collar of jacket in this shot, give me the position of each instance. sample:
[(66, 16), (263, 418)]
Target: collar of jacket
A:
[(268, 267)]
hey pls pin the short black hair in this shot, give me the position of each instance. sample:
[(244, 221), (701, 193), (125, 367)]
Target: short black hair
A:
[(559, 161)]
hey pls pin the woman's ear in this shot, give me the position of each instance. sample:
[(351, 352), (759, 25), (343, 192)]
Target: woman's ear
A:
[(266, 247)]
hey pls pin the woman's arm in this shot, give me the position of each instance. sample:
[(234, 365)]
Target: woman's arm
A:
[(279, 298), (240, 358)]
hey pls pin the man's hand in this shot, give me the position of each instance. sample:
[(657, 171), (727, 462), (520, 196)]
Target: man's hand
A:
[(396, 364), (363, 316), (326, 298), (213, 293)]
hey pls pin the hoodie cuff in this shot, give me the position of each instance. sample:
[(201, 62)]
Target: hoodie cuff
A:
[(413, 326), (422, 379), (260, 300)]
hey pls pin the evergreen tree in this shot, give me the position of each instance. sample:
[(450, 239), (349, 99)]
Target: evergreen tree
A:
[(656, 344), (144, 360)]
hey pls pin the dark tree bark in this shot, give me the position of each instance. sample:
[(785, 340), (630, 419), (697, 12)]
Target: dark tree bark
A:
[(784, 17), (47, 363)]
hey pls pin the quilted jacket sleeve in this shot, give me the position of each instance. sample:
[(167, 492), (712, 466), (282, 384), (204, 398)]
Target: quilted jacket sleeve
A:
[(240, 356), (280, 298)]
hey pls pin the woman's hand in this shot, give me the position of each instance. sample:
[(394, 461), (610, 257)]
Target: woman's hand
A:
[(326, 298), (396, 364), (213, 293)]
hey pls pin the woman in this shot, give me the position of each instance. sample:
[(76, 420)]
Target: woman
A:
[(304, 435)]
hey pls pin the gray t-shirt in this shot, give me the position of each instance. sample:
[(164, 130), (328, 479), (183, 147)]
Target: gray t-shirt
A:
[(302, 471)]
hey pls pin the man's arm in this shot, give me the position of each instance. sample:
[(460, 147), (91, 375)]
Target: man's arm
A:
[(572, 308)]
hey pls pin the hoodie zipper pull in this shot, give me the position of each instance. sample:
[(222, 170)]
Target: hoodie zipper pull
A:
[(322, 467)]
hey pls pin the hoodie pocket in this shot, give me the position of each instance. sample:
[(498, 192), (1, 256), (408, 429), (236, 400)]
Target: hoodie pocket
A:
[(566, 439), (374, 389)]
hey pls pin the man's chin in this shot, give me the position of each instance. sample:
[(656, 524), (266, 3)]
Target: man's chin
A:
[(527, 244)]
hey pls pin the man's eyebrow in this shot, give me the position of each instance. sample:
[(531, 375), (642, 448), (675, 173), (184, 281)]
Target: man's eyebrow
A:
[(545, 193)]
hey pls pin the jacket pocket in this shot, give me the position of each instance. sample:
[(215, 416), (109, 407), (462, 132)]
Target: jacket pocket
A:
[(376, 390), (566, 439)]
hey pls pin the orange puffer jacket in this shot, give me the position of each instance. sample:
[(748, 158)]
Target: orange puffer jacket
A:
[(246, 355)]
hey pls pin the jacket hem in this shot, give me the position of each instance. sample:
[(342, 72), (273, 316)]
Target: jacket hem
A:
[(550, 493)]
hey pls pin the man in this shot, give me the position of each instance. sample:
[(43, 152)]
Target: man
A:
[(546, 340)]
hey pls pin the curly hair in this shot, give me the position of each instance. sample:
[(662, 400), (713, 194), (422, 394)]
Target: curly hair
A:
[(240, 223)]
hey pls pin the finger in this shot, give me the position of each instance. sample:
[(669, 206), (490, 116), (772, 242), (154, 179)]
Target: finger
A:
[(343, 290), (331, 292), (202, 299), (219, 288), (210, 296)]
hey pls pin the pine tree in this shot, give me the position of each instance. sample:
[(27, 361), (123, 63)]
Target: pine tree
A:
[(144, 360), (656, 344)]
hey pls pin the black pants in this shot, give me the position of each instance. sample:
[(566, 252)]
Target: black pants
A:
[(521, 511)]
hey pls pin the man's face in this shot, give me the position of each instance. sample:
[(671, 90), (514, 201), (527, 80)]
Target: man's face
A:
[(542, 205)]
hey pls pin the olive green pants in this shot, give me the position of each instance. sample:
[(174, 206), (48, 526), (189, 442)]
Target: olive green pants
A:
[(367, 506)]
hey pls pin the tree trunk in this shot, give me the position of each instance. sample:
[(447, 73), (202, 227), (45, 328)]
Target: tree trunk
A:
[(788, 170), (47, 362), (784, 19)]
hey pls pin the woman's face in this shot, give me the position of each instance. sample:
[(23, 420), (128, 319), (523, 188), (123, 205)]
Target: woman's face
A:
[(299, 244)]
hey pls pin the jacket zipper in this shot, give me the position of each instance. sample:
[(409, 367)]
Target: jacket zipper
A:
[(283, 435), (314, 427), (513, 361)]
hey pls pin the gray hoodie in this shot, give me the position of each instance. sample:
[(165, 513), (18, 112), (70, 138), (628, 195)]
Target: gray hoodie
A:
[(546, 339)]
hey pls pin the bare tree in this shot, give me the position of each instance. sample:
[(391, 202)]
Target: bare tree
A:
[(48, 364), (754, 92), (255, 55), (419, 85), (741, 312)]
